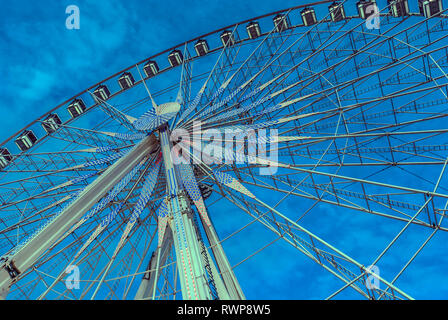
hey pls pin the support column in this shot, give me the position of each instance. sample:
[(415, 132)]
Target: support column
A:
[(23, 259), (191, 270), (230, 281), (150, 280)]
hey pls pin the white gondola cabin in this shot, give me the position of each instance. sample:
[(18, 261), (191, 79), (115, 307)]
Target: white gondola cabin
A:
[(201, 47), (175, 58), (227, 38), (76, 108), (337, 11), (398, 8), (5, 157), (126, 80), (26, 140), (365, 8), (253, 30), (51, 123), (151, 68), (430, 8), (308, 16), (281, 22), (101, 93)]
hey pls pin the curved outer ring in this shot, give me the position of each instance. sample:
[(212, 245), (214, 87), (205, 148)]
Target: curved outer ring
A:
[(180, 45)]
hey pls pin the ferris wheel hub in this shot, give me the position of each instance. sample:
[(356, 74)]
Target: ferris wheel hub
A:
[(171, 108), (151, 120)]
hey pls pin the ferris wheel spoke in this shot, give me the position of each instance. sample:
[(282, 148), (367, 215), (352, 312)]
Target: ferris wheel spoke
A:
[(55, 259), (23, 163), (300, 41), (360, 115), (77, 182), (129, 282), (379, 205), (85, 137), (114, 114), (66, 156), (398, 147), (104, 201), (230, 182), (33, 203), (393, 146), (364, 160), (329, 257), (55, 162), (159, 261), (92, 253), (213, 73), (309, 251), (402, 92), (37, 184), (387, 189), (302, 61), (401, 232), (214, 85), (402, 188), (335, 179), (234, 92), (292, 101), (123, 166), (345, 84), (362, 118), (217, 106), (143, 199), (96, 254), (184, 92), (107, 220), (428, 200), (114, 263), (385, 38), (127, 263), (411, 259), (255, 68), (316, 50)]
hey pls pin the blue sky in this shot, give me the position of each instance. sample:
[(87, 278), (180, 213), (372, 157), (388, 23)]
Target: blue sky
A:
[(42, 64)]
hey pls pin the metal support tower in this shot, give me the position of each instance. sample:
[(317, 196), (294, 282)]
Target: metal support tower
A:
[(24, 258), (191, 270)]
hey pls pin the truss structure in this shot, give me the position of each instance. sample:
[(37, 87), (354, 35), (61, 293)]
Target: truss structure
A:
[(352, 126)]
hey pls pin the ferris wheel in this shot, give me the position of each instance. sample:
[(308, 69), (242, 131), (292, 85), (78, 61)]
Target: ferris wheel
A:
[(314, 126)]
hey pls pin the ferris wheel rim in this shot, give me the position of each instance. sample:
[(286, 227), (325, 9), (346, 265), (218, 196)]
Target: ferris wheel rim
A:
[(214, 32)]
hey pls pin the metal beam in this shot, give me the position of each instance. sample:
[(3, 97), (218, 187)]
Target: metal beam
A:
[(192, 274), (25, 257), (150, 279)]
